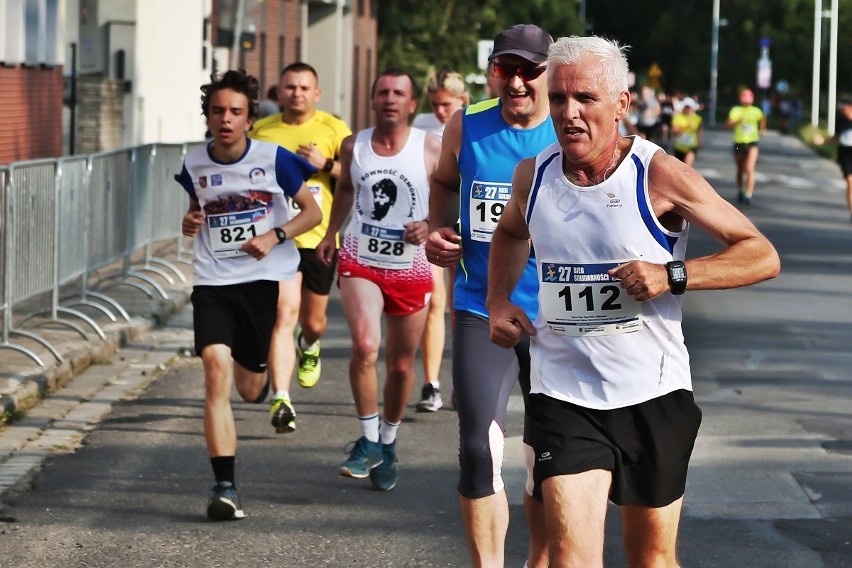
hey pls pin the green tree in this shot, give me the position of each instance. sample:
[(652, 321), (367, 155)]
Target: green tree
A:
[(422, 37)]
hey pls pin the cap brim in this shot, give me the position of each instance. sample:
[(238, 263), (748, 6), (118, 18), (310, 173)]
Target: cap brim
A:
[(528, 55)]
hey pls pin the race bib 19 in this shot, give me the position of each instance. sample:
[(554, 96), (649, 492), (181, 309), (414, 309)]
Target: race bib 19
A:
[(487, 201)]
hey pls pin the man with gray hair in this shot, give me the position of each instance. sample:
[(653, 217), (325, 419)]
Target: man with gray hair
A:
[(611, 404)]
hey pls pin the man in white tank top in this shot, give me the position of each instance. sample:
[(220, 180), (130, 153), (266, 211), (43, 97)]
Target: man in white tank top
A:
[(611, 394), (382, 267)]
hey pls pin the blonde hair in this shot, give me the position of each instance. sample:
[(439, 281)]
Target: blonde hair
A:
[(450, 81)]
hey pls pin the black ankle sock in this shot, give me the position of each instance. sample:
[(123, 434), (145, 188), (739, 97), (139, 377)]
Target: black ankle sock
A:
[(223, 468)]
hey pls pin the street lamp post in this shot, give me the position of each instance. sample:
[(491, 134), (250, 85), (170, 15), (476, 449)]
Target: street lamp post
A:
[(816, 64), (832, 70), (714, 64)]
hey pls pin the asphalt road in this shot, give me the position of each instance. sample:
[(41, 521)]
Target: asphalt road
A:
[(124, 481)]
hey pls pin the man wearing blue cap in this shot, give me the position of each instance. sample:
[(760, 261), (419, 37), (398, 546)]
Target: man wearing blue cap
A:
[(481, 145)]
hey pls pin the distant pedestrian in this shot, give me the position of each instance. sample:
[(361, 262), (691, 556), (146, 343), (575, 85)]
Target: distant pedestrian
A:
[(748, 123), (844, 147), (239, 216), (687, 131), (269, 105)]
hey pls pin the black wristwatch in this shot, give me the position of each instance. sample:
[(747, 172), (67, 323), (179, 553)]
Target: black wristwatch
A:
[(328, 166), (677, 276), (282, 236)]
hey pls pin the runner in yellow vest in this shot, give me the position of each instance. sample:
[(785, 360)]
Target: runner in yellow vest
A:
[(748, 123), (687, 131)]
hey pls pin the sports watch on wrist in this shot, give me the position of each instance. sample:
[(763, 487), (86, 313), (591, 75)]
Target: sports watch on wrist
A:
[(328, 166), (282, 236), (677, 276)]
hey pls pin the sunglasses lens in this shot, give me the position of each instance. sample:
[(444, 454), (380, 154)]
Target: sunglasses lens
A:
[(526, 73)]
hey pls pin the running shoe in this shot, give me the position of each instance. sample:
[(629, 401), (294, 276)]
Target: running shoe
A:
[(310, 365), (364, 455), (430, 399), (385, 476), (225, 503), (283, 416)]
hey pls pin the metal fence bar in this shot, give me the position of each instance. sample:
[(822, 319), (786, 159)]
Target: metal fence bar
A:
[(64, 220), (167, 203), (111, 180), (30, 214), (5, 272), (74, 222)]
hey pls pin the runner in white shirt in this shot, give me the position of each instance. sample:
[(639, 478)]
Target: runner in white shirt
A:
[(382, 266), (238, 213)]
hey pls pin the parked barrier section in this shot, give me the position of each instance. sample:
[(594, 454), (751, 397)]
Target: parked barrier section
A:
[(73, 228)]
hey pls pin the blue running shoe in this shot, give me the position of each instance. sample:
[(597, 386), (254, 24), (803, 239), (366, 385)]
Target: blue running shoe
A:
[(384, 476), (364, 455), (225, 503)]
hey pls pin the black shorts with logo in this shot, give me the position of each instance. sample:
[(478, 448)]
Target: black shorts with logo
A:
[(240, 316), (646, 446)]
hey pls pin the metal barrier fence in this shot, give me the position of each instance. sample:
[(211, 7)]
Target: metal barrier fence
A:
[(63, 221)]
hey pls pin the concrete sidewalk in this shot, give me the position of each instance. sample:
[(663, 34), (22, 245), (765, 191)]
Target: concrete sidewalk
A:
[(30, 393)]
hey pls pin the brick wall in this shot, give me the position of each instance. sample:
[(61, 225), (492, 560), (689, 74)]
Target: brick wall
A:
[(99, 114), (31, 113)]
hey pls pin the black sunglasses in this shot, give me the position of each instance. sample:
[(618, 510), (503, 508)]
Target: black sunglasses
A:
[(525, 72)]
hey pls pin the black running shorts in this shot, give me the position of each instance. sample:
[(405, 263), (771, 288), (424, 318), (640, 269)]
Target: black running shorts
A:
[(646, 446), (316, 277), (844, 158), (240, 316)]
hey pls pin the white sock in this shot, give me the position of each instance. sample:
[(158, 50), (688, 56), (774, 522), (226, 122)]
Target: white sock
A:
[(303, 346), (281, 394), (436, 384), (370, 427), (387, 431)]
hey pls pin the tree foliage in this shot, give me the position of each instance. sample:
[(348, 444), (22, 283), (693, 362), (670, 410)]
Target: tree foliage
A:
[(422, 36)]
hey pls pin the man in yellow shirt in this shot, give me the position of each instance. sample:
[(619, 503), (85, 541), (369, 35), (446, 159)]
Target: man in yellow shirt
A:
[(316, 136)]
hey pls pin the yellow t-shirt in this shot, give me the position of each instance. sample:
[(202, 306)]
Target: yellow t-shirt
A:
[(748, 129), (327, 132), (688, 125)]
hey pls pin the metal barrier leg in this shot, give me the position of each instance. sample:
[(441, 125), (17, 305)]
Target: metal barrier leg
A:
[(38, 339), (168, 264), (24, 350), (103, 297)]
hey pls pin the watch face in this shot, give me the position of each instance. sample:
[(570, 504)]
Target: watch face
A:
[(678, 273)]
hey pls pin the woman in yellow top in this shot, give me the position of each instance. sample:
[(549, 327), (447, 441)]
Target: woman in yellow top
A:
[(687, 131), (748, 123)]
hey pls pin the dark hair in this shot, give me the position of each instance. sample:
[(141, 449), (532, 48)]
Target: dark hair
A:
[(238, 81), (300, 67), (395, 72)]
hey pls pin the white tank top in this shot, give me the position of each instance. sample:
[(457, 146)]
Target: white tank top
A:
[(595, 346), (390, 191)]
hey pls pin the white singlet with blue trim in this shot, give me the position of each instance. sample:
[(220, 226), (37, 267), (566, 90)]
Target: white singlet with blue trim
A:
[(595, 345)]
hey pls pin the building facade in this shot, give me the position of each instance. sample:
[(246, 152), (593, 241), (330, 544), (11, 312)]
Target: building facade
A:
[(83, 76)]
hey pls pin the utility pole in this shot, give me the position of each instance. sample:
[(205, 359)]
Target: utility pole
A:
[(714, 65), (239, 12)]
